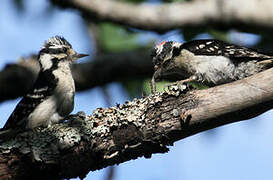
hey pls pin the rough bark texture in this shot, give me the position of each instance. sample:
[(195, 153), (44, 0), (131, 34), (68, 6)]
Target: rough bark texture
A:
[(131, 130), (164, 17), (100, 71)]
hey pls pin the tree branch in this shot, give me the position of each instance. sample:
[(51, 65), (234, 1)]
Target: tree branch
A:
[(102, 70), (164, 17), (131, 130)]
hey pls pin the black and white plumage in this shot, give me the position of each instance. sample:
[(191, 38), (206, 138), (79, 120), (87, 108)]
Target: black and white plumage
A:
[(52, 96), (209, 61)]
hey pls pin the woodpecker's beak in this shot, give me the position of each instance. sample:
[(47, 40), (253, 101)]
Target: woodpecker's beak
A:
[(157, 74), (78, 56)]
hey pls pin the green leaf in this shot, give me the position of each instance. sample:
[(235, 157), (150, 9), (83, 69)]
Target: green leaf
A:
[(114, 38)]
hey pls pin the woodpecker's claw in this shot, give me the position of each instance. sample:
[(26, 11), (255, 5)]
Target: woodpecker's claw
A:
[(179, 84)]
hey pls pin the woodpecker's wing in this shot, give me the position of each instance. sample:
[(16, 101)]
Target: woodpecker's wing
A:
[(43, 87), (213, 47)]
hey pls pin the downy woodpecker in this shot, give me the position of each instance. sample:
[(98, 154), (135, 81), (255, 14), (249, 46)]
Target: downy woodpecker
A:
[(51, 98), (210, 61)]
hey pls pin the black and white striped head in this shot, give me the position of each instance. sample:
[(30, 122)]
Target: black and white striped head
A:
[(163, 56), (57, 49), (164, 52)]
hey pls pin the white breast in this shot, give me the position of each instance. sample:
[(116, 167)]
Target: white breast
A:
[(65, 90), (57, 106), (215, 69)]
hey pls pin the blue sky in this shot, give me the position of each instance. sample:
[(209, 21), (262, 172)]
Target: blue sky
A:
[(236, 151)]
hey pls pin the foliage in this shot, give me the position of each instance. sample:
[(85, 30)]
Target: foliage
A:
[(114, 38)]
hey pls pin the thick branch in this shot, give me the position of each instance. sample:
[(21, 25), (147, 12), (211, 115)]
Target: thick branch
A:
[(177, 15), (138, 128), (102, 70)]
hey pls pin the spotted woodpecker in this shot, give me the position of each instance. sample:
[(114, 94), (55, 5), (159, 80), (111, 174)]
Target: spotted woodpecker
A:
[(52, 96), (209, 61)]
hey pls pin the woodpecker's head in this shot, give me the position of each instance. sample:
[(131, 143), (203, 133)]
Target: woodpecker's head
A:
[(57, 49), (163, 55)]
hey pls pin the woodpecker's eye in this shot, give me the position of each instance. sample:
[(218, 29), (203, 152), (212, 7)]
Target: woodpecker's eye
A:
[(166, 62), (64, 49)]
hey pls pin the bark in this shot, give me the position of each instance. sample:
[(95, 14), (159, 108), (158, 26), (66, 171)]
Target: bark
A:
[(98, 72), (131, 130), (164, 17)]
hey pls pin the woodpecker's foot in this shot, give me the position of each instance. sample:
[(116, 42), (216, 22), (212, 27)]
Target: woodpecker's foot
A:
[(179, 84), (171, 86)]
